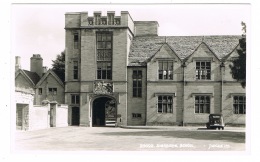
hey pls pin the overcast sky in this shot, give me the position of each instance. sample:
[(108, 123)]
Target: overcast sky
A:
[(39, 28)]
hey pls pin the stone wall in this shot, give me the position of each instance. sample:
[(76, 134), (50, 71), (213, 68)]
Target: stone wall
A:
[(62, 115), (39, 117), (136, 105)]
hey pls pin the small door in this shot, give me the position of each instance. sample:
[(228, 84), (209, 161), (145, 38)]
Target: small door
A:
[(75, 116)]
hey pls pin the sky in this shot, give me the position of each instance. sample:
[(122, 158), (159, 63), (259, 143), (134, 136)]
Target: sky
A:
[(39, 28)]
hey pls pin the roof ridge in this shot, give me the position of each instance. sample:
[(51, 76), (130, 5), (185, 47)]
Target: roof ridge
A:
[(145, 47)]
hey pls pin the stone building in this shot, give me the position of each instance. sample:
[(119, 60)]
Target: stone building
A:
[(45, 84), (39, 97), (121, 72)]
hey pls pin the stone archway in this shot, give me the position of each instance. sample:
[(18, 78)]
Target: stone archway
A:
[(104, 112)]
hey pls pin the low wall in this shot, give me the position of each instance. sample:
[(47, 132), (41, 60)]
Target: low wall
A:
[(62, 116), (39, 117)]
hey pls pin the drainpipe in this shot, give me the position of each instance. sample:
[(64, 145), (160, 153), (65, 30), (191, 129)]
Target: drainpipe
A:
[(222, 68), (183, 94)]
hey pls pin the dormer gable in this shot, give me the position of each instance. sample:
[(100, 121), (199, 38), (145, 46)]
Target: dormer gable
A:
[(46, 75), (165, 52), (31, 77), (203, 52), (232, 55)]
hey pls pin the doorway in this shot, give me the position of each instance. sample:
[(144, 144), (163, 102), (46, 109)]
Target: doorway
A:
[(75, 116), (104, 112), (22, 115)]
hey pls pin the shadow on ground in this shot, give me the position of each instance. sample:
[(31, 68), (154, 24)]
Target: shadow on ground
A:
[(236, 137)]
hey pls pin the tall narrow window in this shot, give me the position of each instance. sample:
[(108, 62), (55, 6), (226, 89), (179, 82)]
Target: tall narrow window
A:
[(75, 70), (104, 55), (203, 70), (202, 104), (239, 105), (74, 99), (76, 40), (165, 104), (40, 91), (137, 83), (165, 70)]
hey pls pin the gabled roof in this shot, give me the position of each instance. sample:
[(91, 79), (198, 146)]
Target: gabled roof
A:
[(222, 45), (32, 77), (50, 72), (144, 47), (160, 49)]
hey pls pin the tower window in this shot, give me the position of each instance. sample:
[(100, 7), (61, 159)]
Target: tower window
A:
[(76, 40), (75, 70), (104, 55)]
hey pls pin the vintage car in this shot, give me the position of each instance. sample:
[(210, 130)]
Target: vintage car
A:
[(215, 121)]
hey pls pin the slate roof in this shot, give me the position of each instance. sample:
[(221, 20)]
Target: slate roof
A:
[(33, 76), (144, 47)]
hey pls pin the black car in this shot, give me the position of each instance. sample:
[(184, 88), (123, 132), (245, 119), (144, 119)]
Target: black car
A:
[(215, 121)]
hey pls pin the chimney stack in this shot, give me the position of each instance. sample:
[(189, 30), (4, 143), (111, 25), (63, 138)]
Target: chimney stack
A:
[(44, 69), (17, 63), (36, 64)]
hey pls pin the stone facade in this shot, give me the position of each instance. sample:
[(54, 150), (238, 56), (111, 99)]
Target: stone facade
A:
[(38, 95), (136, 46)]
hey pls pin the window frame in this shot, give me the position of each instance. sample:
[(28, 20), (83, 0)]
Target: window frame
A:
[(203, 70), (163, 68), (76, 40), (237, 105), (40, 91), (169, 102), (104, 70), (136, 116), (202, 104), (75, 70), (104, 55), (137, 83), (53, 91), (74, 98)]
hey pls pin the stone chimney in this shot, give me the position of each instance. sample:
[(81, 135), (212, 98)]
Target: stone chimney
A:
[(146, 28), (44, 69), (17, 63), (36, 64)]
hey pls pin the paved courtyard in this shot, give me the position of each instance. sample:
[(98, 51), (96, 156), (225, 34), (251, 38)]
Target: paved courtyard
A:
[(135, 139)]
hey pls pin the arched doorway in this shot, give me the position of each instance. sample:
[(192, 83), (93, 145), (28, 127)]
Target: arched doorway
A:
[(104, 112)]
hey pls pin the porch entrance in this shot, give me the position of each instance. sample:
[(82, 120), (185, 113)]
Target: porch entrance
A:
[(104, 112)]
